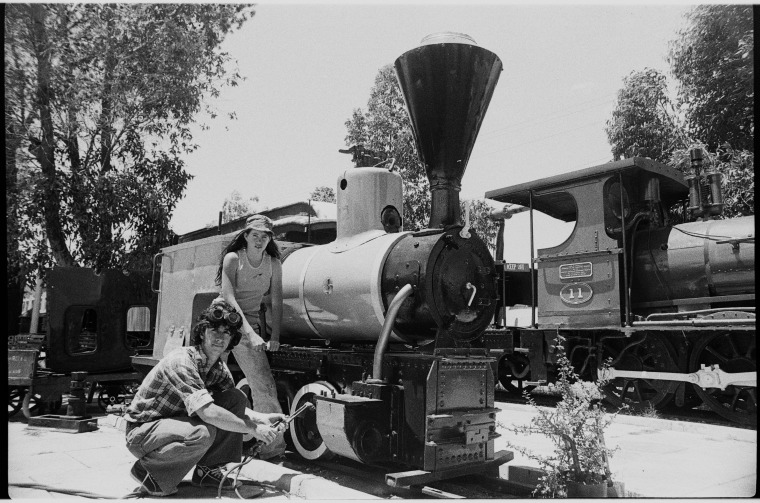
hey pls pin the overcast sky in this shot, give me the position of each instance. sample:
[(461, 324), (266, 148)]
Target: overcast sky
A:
[(309, 66)]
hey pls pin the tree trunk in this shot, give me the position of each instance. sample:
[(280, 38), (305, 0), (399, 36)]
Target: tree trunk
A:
[(45, 151), (14, 271)]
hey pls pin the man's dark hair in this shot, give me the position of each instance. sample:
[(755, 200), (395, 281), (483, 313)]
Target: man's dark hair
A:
[(215, 316)]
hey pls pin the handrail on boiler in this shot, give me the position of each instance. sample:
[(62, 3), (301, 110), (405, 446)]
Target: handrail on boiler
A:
[(385, 334)]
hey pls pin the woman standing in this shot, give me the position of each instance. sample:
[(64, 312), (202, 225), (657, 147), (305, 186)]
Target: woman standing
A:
[(249, 269)]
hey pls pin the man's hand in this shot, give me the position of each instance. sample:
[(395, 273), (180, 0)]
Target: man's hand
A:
[(273, 345), (265, 433), (276, 417)]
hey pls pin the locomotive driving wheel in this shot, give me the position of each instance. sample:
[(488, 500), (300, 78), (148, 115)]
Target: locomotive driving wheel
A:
[(514, 370), (653, 354), (732, 352), (303, 430), (111, 394), (15, 399)]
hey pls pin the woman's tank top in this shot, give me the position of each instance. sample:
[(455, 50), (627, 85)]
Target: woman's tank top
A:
[(252, 283)]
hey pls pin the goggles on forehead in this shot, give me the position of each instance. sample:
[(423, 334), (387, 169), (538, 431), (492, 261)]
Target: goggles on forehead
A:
[(230, 317)]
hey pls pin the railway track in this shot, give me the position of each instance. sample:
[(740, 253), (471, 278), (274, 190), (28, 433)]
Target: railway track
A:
[(371, 480)]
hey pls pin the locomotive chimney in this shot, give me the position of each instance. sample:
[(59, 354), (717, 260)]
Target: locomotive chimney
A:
[(447, 83)]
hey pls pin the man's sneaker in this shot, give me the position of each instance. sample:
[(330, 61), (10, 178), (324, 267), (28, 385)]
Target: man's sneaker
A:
[(148, 484), (207, 476)]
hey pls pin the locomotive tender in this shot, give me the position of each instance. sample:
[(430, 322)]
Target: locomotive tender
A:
[(377, 324), (670, 307)]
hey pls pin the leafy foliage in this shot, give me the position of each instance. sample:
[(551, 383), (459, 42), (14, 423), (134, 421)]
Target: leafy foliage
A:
[(385, 128), (642, 123), (235, 206), (712, 59), (99, 102), (575, 426), (324, 194)]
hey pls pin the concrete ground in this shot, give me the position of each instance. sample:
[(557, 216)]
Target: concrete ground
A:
[(97, 464), (656, 459)]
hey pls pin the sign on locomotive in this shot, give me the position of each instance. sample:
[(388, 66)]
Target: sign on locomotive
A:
[(390, 333)]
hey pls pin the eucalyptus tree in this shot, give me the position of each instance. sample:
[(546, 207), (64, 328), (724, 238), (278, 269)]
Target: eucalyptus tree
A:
[(100, 99)]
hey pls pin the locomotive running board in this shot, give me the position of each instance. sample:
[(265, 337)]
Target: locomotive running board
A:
[(421, 477)]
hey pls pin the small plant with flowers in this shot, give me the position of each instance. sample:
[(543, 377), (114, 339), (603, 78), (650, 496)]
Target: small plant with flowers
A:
[(576, 428)]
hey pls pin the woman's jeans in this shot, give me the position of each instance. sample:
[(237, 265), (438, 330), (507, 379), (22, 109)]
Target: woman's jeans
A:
[(169, 448), (255, 366)]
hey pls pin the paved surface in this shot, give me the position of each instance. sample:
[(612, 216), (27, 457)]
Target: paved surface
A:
[(657, 459), (97, 463)]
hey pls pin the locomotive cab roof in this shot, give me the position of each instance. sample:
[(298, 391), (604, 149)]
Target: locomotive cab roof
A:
[(549, 198)]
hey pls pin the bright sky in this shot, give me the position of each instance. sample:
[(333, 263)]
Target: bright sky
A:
[(309, 66)]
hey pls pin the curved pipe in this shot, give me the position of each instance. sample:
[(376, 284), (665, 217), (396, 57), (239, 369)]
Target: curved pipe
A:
[(385, 334)]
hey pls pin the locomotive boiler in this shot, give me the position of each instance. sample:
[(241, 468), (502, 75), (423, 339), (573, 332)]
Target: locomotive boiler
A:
[(669, 307), (378, 324)]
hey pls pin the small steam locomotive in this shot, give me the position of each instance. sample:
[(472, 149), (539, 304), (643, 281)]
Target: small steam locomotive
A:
[(670, 308), (378, 324)]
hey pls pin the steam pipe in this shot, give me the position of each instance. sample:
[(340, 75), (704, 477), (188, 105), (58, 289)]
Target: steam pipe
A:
[(385, 334)]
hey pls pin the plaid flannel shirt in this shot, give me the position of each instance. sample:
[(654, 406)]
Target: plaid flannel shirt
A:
[(178, 385)]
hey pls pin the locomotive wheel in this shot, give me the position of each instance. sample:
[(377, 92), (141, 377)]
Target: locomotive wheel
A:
[(654, 354), (514, 370), (303, 430), (15, 399), (732, 352), (32, 404), (110, 395)]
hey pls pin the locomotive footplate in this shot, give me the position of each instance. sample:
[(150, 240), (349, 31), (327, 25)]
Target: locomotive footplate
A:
[(420, 477)]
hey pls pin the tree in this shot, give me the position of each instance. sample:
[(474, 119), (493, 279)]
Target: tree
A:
[(712, 62), (644, 121), (99, 101), (386, 130), (712, 59), (235, 206), (324, 193)]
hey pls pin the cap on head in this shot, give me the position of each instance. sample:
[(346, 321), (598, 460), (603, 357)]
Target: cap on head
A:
[(259, 223)]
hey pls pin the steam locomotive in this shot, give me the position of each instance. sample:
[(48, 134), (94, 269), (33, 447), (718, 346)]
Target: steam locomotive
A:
[(670, 308), (377, 324), (389, 333)]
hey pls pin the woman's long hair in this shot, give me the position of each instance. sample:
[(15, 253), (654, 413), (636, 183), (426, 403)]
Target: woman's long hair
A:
[(238, 243)]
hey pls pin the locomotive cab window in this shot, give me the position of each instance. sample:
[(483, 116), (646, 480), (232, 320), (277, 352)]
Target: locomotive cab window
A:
[(557, 213), (81, 330), (138, 327)]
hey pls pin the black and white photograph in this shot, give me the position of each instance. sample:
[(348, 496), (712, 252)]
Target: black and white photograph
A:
[(358, 250)]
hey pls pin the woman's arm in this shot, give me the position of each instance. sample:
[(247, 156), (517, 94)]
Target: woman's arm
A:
[(229, 276), (276, 297)]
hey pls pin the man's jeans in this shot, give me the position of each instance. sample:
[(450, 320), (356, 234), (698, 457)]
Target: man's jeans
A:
[(170, 448)]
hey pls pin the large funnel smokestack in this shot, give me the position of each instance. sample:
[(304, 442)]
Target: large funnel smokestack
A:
[(447, 84)]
